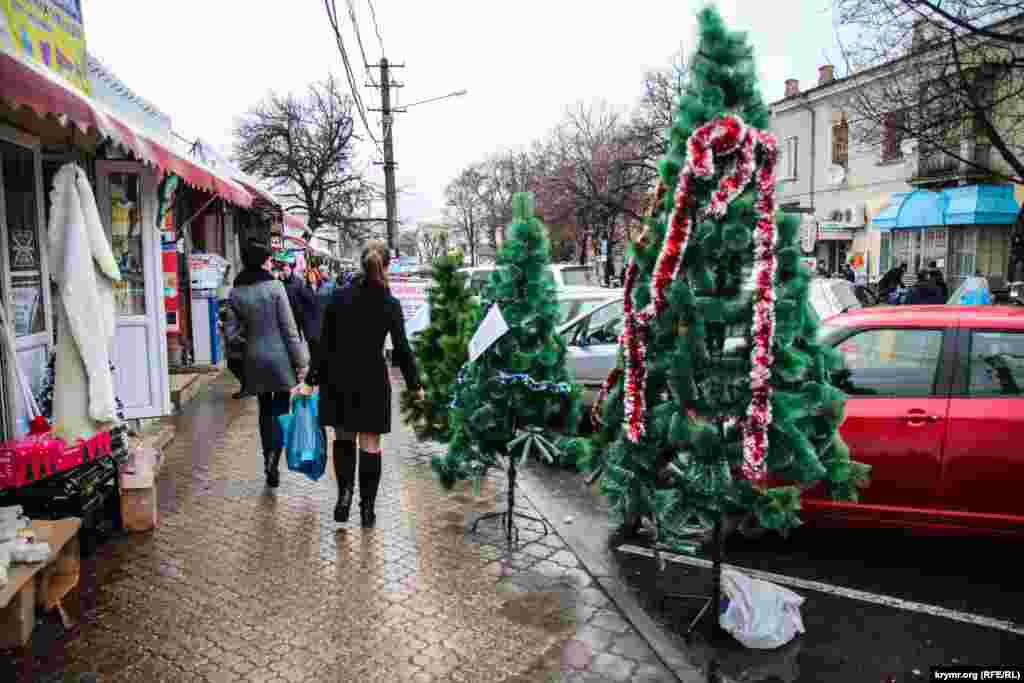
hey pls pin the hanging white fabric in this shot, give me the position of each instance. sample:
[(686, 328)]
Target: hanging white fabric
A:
[(84, 268), (23, 384)]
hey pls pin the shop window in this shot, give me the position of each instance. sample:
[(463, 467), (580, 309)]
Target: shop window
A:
[(126, 242), (21, 217), (841, 142)]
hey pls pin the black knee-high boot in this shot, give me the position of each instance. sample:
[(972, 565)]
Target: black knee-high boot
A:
[(345, 473), (369, 481), (272, 465)]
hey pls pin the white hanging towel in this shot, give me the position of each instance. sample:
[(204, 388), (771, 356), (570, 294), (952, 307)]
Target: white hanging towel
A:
[(84, 269)]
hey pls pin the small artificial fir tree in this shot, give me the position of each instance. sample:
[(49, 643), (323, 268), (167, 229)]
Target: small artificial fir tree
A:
[(722, 390), (441, 348), (518, 390)]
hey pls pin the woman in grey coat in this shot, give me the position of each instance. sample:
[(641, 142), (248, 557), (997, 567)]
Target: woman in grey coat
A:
[(276, 360)]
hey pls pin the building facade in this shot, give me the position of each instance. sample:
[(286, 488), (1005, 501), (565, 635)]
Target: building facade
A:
[(876, 206)]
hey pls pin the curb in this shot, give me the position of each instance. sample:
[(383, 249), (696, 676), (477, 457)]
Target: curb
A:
[(667, 651)]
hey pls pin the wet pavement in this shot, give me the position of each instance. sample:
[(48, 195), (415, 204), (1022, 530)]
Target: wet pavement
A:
[(243, 583), (846, 639)]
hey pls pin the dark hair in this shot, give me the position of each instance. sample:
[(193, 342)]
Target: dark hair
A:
[(924, 275), (254, 256), (375, 260)]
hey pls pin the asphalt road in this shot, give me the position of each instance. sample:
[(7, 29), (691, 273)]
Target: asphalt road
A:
[(846, 639)]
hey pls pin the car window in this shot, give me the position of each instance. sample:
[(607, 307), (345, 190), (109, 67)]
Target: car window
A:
[(890, 362), (996, 364), (581, 276), (604, 326)]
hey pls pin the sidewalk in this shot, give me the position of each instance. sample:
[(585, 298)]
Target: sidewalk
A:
[(241, 583)]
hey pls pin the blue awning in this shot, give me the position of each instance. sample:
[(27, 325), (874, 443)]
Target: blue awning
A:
[(968, 205), (981, 205)]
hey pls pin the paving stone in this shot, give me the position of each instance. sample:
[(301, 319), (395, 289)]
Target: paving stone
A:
[(243, 583), (612, 666), (634, 647)]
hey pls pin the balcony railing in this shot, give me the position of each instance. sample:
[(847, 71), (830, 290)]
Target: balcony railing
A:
[(938, 164)]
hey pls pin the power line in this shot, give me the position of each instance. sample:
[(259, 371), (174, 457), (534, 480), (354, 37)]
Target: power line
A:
[(359, 38), (376, 28), (332, 16)]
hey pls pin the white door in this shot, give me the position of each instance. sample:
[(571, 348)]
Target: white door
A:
[(24, 275), (126, 193)]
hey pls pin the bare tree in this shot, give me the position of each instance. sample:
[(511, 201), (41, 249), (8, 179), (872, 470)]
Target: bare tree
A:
[(944, 75), (466, 207), (431, 241), (652, 120), (595, 179), (304, 147)]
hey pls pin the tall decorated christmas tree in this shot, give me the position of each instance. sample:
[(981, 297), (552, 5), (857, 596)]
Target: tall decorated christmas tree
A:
[(442, 347), (517, 395), (723, 401)]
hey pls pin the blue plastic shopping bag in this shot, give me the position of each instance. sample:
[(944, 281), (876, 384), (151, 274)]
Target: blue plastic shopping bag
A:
[(304, 443)]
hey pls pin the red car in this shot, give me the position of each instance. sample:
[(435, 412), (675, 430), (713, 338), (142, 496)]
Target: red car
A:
[(936, 407)]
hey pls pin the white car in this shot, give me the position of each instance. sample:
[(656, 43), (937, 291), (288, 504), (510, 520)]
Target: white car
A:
[(593, 337), (566, 275)]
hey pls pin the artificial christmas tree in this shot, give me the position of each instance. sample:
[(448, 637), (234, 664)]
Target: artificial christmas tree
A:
[(513, 397), (441, 348), (722, 390)]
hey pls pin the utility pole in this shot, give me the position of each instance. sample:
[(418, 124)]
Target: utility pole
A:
[(387, 116)]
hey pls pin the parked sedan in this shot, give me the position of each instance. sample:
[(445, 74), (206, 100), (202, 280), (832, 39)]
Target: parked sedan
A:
[(936, 408)]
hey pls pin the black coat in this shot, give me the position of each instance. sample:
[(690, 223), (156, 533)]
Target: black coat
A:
[(925, 293), (355, 386), (304, 307)]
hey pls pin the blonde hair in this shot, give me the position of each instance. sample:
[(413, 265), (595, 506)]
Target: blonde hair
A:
[(375, 260)]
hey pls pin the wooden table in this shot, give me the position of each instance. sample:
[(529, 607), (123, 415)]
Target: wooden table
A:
[(44, 583)]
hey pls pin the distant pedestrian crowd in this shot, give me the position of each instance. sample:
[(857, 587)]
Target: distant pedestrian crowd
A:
[(928, 286)]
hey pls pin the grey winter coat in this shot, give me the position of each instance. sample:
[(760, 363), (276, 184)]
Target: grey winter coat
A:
[(260, 318)]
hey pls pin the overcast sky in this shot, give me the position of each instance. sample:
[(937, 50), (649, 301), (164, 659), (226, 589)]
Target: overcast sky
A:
[(205, 61)]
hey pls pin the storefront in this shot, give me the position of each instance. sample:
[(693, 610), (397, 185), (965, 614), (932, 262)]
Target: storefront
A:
[(965, 230), (125, 166)]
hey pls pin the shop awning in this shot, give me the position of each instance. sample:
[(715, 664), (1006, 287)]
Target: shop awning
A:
[(259, 193), (26, 85), (967, 205), (981, 205), (293, 221)]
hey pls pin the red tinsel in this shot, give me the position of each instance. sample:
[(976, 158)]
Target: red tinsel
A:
[(724, 136)]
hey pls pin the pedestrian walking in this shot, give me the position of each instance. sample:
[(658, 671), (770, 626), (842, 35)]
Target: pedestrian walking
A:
[(235, 351), (276, 361), (355, 386), (939, 280), (925, 291)]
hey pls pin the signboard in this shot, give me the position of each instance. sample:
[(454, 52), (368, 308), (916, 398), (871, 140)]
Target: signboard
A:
[(808, 234), (491, 330), (412, 294), (49, 33), (207, 271), (834, 231)]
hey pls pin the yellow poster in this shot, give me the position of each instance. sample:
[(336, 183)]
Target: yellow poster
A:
[(49, 33)]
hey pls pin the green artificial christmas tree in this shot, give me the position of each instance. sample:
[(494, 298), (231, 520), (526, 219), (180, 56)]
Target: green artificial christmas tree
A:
[(723, 401), (517, 395), (442, 348)]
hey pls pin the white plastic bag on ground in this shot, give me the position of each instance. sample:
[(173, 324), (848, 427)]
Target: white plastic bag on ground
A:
[(760, 614)]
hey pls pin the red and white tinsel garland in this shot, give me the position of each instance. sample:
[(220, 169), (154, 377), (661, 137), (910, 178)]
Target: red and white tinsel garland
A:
[(724, 136)]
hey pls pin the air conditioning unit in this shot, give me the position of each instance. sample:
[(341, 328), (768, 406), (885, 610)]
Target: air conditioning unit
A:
[(836, 216)]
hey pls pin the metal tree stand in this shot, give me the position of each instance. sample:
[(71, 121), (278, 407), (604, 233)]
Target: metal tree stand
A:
[(712, 603), (510, 514)]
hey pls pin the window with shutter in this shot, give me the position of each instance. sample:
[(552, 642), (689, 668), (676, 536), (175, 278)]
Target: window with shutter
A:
[(893, 124), (841, 142), (789, 158)]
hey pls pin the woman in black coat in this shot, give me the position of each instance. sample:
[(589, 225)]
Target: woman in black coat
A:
[(355, 385)]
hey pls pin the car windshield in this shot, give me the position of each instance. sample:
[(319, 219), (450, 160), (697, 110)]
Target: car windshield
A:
[(578, 276), (571, 308)]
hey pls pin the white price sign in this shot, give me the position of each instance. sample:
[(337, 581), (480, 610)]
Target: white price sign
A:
[(491, 330)]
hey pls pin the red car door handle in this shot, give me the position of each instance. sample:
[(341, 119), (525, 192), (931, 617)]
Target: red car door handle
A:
[(920, 416)]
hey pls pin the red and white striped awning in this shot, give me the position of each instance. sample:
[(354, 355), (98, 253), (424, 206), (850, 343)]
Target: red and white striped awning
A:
[(26, 85)]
